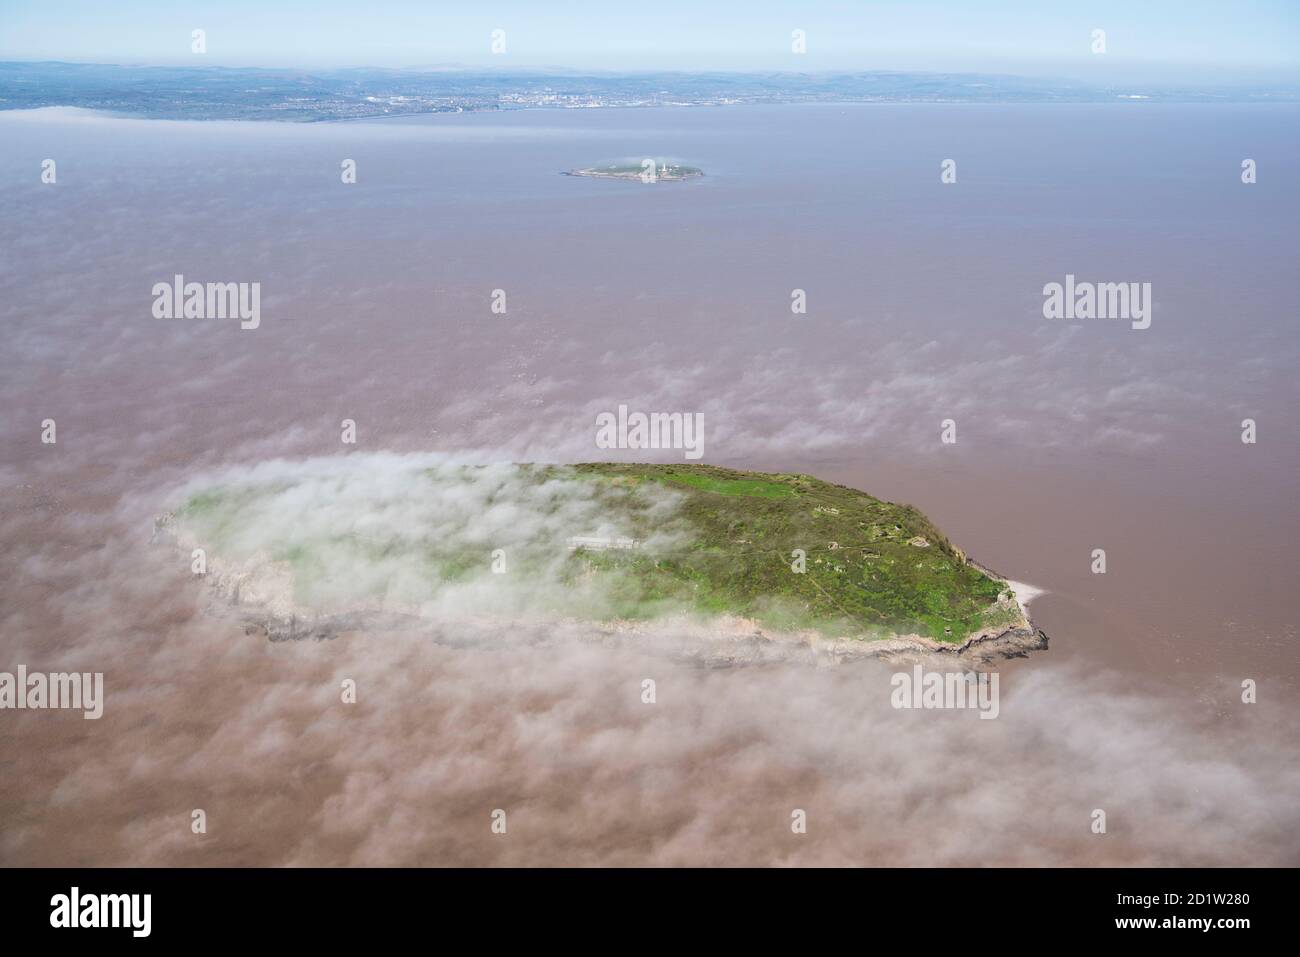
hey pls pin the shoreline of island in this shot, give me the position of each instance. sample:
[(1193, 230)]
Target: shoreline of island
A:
[(720, 641)]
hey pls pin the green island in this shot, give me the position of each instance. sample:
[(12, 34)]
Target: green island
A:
[(600, 541), (664, 171)]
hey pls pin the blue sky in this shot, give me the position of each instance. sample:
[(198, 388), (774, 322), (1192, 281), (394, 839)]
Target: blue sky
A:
[(1175, 39)]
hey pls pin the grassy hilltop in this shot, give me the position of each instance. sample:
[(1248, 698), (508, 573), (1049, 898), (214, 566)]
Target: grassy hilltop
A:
[(882, 567), (598, 540)]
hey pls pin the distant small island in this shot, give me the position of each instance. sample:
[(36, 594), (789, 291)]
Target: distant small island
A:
[(644, 171)]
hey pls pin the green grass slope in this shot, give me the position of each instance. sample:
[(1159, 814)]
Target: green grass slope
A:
[(870, 567)]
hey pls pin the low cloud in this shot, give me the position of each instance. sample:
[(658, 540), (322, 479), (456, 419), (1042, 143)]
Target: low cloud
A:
[(547, 722), (423, 534)]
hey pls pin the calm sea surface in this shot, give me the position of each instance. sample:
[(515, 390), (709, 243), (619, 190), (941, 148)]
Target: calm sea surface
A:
[(924, 304)]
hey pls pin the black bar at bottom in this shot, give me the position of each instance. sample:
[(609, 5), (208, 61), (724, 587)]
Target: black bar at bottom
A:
[(329, 907)]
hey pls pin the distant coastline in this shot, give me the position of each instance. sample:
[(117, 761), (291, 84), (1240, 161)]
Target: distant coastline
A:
[(250, 93)]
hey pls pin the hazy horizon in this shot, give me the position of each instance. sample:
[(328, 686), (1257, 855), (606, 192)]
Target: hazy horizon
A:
[(1177, 41)]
